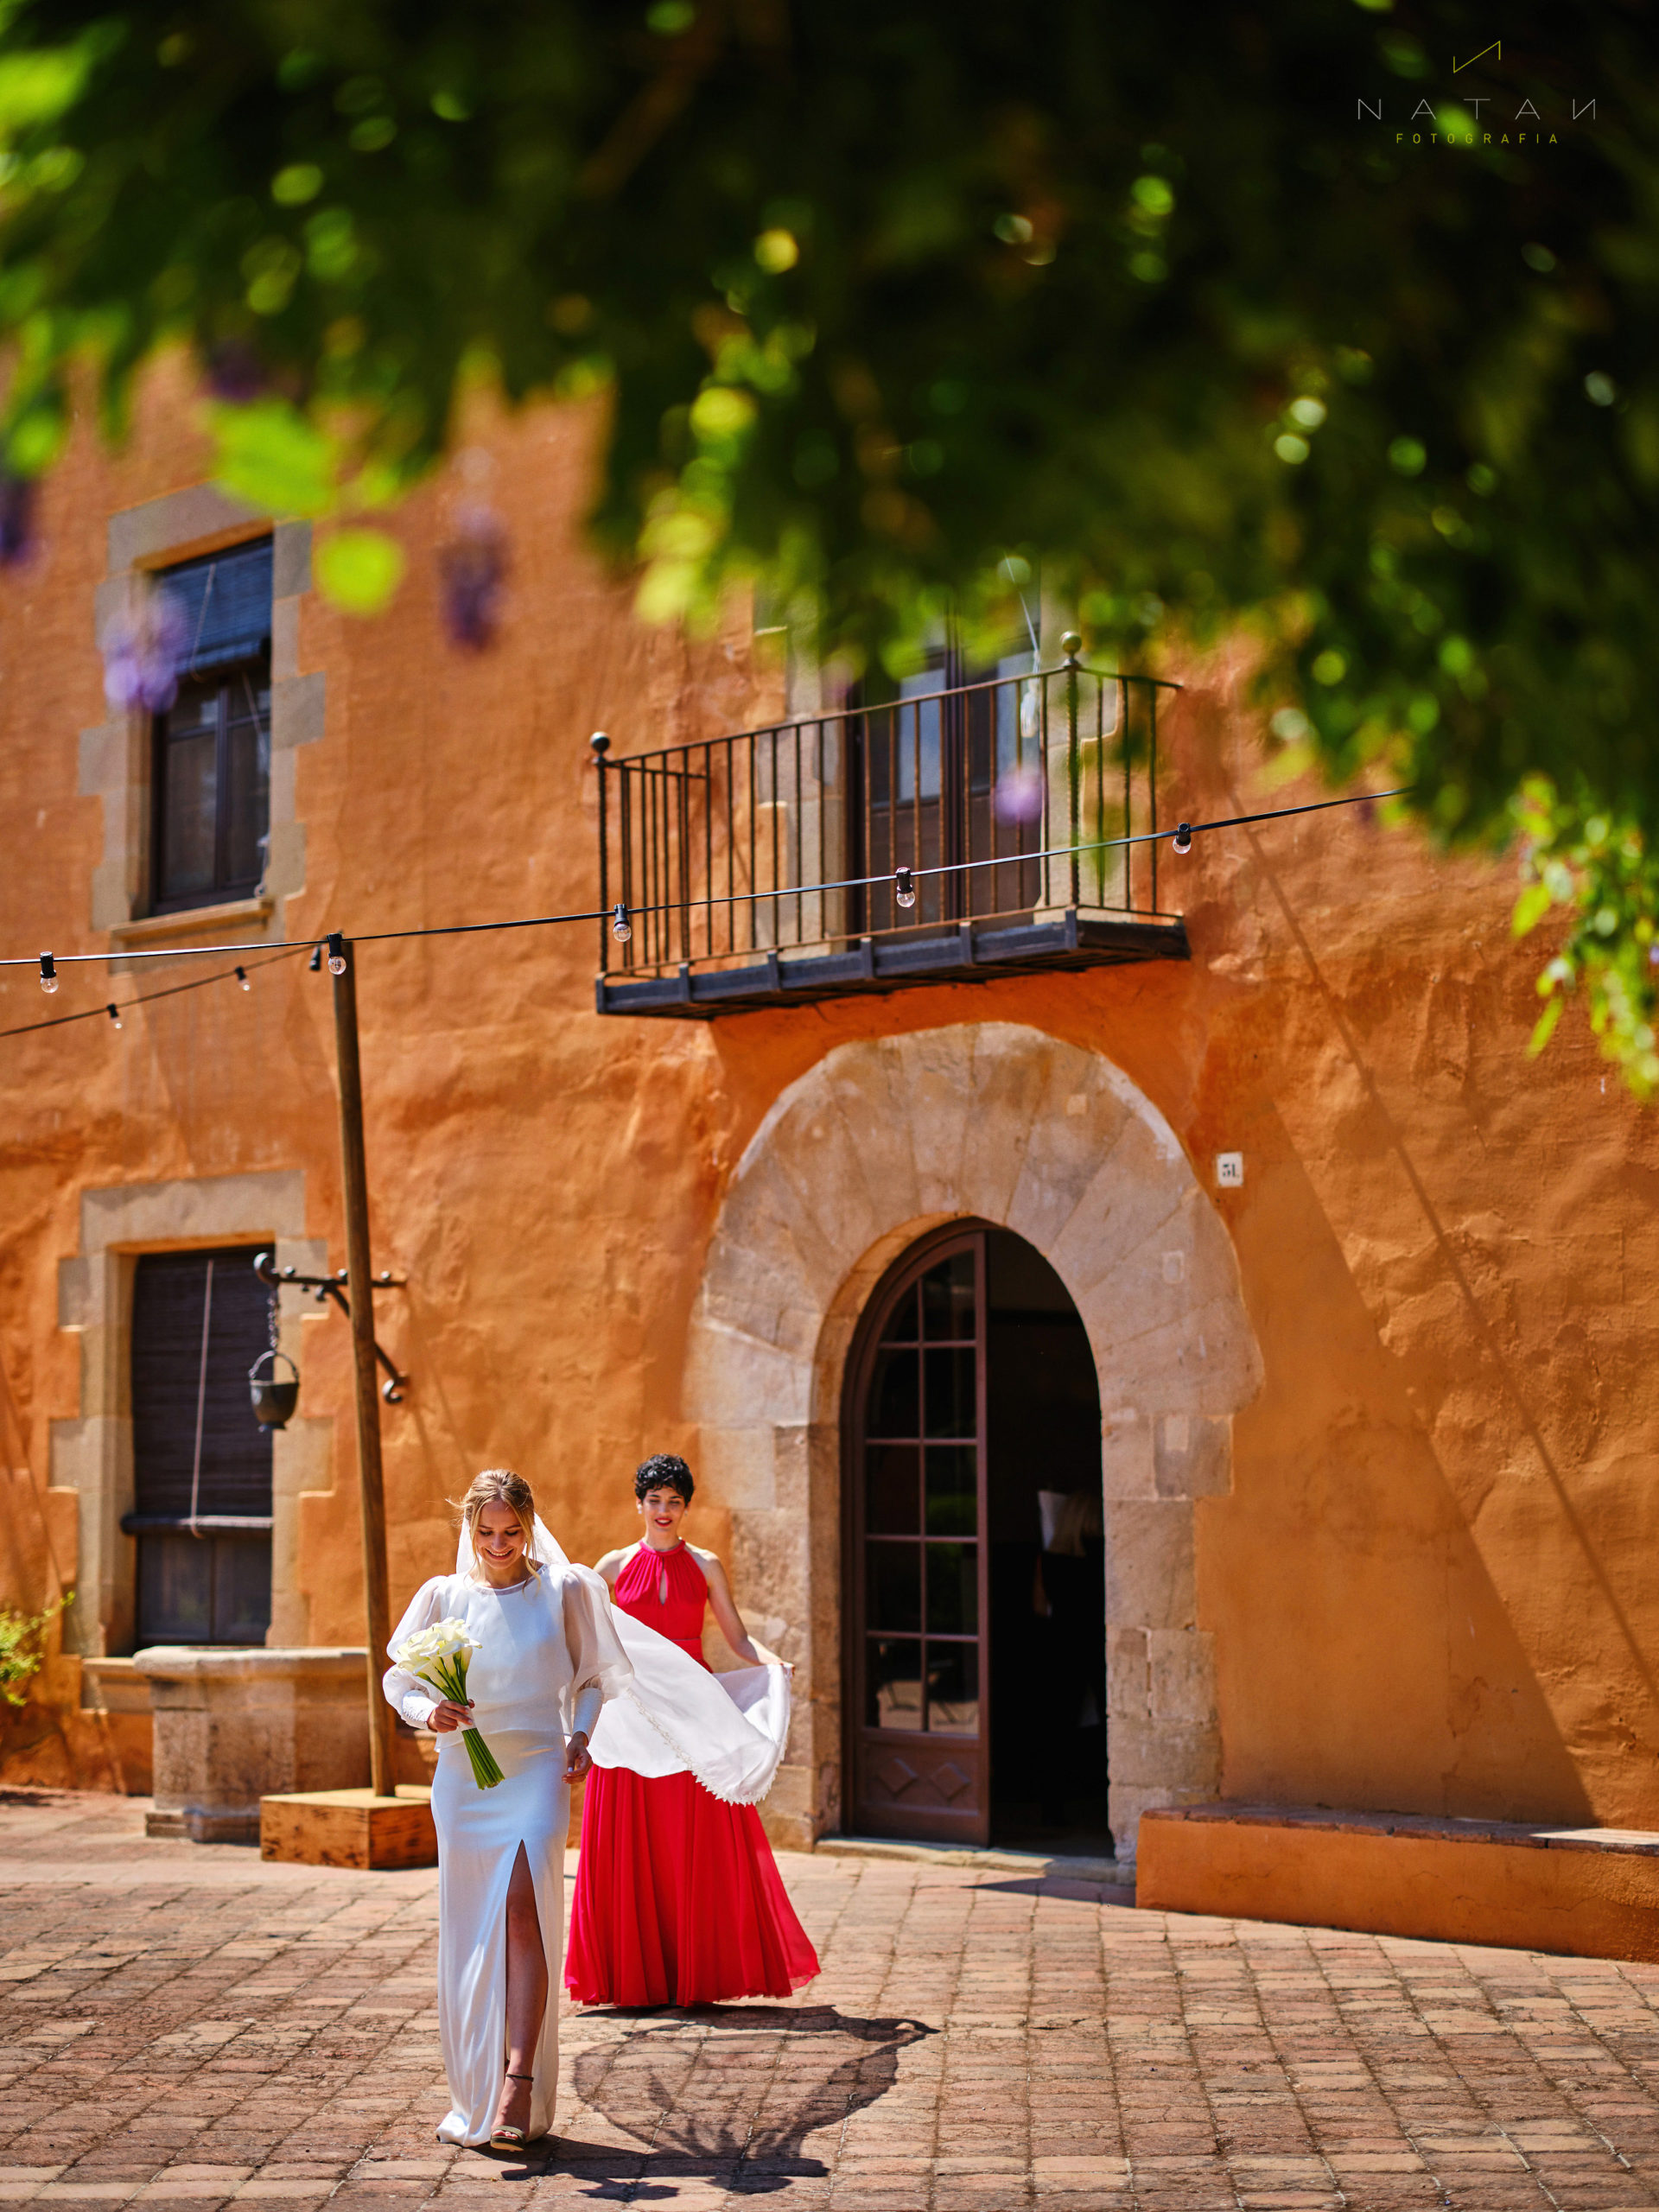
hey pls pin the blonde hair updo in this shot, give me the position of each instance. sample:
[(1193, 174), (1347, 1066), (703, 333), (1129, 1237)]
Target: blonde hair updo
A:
[(500, 1486)]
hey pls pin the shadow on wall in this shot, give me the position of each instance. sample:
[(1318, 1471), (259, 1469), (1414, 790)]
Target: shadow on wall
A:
[(1366, 1655), (729, 2086)]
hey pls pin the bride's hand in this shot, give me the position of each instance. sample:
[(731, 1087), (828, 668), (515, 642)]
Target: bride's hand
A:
[(444, 1716), (577, 1761)]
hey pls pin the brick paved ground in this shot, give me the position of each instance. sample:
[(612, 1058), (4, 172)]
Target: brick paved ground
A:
[(183, 2027)]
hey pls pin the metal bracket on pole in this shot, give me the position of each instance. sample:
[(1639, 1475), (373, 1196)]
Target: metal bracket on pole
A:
[(331, 1288)]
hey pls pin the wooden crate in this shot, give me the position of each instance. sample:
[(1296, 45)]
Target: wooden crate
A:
[(350, 1827)]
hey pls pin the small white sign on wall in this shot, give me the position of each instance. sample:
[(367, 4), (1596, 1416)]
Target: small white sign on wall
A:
[(1229, 1170)]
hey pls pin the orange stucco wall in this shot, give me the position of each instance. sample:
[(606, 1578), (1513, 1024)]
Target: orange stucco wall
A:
[(1428, 1586)]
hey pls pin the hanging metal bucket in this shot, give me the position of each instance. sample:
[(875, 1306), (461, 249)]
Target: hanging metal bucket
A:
[(274, 1400)]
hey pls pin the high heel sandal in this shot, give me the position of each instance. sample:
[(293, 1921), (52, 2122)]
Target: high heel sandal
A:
[(510, 2139)]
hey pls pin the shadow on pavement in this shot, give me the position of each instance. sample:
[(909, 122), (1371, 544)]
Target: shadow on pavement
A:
[(1063, 1886), (730, 2091)]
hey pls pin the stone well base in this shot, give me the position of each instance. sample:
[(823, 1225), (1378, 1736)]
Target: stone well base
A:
[(233, 1726)]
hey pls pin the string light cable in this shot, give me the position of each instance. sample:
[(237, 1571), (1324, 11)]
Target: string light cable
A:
[(113, 1012), (333, 942)]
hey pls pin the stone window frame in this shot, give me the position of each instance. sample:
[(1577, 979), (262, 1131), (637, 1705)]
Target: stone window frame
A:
[(91, 1451), (117, 757)]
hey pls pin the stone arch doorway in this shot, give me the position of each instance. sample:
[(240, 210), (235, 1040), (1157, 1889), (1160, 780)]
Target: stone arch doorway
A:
[(973, 1560), (881, 1142)]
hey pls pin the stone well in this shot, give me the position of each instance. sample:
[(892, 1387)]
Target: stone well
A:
[(234, 1725)]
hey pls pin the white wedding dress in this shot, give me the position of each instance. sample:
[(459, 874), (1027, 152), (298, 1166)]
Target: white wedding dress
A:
[(555, 1657), (549, 1657)]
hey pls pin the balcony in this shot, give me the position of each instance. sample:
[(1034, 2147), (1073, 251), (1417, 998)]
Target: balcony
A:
[(772, 867)]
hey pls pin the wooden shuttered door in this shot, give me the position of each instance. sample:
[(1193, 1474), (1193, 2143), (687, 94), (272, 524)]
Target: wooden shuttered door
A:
[(202, 1463)]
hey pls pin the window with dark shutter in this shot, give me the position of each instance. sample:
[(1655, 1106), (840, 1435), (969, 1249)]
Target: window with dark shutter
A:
[(213, 745), (202, 1463)]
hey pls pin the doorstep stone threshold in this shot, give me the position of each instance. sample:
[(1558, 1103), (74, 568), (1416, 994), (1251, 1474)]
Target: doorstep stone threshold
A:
[(1111, 1872)]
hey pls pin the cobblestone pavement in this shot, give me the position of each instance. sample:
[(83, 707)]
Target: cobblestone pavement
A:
[(184, 2027)]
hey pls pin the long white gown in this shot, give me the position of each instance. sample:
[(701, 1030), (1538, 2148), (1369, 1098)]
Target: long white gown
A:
[(549, 1658)]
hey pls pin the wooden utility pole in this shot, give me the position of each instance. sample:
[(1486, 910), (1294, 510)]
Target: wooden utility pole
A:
[(371, 1484)]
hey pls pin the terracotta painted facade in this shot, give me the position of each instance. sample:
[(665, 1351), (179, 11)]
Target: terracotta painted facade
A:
[(1381, 1427)]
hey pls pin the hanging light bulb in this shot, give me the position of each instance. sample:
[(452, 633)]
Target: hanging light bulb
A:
[(114, 1013), (315, 963), (242, 978), (336, 953), (1183, 838), (49, 978), (621, 927), (904, 886)]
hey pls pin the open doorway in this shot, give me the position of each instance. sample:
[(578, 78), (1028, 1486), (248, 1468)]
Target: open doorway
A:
[(1047, 1559), (976, 1631)]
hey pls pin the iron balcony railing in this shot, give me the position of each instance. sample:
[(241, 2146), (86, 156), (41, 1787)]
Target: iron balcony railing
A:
[(1014, 788)]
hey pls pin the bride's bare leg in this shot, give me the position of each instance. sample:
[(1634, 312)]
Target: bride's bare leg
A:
[(527, 1993)]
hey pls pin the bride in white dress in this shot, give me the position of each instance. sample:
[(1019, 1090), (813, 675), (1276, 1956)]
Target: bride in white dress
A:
[(548, 1658)]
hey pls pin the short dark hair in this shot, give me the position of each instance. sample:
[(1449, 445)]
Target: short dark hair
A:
[(664, 1470)]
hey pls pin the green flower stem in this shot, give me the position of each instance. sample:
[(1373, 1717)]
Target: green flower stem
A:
[(486, 1772), (450, 1677)]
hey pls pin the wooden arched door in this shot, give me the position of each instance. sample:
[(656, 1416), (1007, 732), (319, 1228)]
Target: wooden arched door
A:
[(918, 1657)]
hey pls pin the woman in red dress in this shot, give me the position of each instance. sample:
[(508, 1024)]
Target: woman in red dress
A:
[(678, 1900)]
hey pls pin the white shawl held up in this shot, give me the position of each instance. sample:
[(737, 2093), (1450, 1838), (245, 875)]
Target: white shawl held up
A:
[(674, 1717)]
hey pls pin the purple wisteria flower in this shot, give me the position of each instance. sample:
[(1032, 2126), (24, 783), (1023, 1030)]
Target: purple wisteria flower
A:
[(235, 372), (145, 648), (472, 578), (1019, 795), (17, 500)]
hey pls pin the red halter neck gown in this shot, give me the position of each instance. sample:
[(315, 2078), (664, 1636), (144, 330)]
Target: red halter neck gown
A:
[(678, 1900)]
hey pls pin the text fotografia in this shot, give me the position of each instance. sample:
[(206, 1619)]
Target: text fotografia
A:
[(1486, 138)]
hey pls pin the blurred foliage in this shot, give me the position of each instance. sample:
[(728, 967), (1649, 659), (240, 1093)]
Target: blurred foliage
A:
[(22, 1647), (1575, 856), (887, 305)]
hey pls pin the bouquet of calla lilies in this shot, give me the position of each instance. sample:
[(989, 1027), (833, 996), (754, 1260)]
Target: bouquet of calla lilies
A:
[(437, 1655)]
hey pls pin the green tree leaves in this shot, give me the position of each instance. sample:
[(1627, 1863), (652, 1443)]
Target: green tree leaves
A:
[(359, 569), (1602, 876), (271, 455), (274, 457), (878, 294)]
